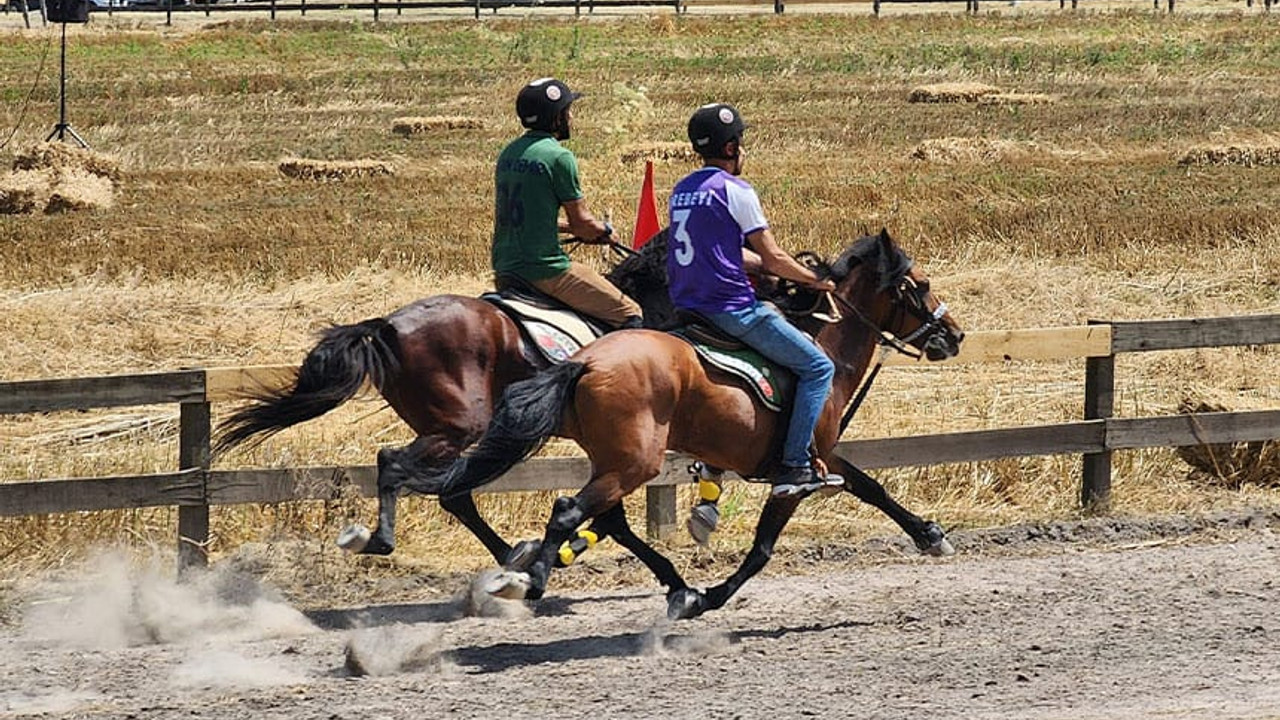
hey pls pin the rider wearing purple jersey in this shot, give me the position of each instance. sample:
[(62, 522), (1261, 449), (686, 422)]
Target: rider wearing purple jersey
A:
[(715, 216)]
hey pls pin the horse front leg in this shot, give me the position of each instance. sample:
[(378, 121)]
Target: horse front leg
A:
[(927, 535), (690, 603)]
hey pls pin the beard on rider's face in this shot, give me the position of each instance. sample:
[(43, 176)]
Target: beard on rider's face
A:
[(564, 127)]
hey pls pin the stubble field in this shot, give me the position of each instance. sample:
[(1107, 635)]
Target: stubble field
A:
[(1061, 197)]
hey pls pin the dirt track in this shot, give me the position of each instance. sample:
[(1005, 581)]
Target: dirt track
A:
[(1172, 618)]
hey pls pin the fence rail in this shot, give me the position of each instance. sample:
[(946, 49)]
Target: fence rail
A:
[(194, 488)]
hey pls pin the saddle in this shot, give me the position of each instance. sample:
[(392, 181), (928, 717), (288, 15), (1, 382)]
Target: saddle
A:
[(771, 383), (555, 329)]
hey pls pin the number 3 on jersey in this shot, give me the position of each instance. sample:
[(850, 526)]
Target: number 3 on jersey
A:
[(684, 253)]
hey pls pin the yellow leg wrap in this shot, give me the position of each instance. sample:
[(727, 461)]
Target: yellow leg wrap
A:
[(708, 490), (571, 549)]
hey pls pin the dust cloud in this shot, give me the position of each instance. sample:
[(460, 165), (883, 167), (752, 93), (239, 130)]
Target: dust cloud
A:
[(110, 603), (394, 649), (661, 641)]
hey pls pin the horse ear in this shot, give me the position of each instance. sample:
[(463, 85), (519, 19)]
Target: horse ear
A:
[(886, 242)]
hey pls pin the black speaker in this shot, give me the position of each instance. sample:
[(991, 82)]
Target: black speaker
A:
[(68, 11)]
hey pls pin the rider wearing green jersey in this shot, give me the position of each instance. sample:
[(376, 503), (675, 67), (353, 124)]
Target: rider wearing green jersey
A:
[(535, 177)]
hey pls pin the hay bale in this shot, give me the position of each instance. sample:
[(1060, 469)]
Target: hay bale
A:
[(1016, 98), (57, 177), (958, 149), (660, 152), (952, 92), (1248, 155), (80, 190), (61, 157), (304, 169), (1230, 465), (25, 191), (416, 125)]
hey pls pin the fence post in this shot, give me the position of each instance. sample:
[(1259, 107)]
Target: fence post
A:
[(195, 431), (1099, 403), (660, 510)]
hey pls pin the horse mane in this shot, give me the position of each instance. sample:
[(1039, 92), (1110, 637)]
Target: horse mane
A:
[(868, 251), (643, 277)]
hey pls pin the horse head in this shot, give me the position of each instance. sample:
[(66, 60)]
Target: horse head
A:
[(883, 288)]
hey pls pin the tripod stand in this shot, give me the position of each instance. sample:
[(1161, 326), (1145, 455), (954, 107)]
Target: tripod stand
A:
[(63, 128)]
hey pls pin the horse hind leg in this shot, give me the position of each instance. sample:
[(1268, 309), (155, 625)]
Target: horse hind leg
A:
[(566, 515), (613, 522), (600, 496), (356, 538)]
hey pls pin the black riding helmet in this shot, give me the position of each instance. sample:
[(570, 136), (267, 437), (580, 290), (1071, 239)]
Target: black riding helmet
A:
[(714, 125), (541, 102)]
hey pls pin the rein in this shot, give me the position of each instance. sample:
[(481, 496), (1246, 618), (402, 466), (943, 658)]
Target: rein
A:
[(887, 341)]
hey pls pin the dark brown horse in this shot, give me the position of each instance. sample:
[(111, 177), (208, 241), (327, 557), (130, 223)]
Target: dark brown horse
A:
[(441, 363), (630, 396)]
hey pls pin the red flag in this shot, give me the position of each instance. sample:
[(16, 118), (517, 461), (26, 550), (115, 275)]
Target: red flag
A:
[(647, 224)]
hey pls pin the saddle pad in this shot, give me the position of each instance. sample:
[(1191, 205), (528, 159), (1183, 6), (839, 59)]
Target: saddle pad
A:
[(774, 386), (556, 333)]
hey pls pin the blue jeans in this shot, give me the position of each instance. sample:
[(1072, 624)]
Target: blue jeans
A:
[(772, 336)]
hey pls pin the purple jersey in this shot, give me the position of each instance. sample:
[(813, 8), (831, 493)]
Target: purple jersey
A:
[(712, 213)]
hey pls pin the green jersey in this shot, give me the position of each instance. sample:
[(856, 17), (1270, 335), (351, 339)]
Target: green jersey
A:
[(535, 175)]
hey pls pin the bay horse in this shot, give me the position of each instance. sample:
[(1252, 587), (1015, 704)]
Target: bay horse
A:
[(441, 363), (632, 395)]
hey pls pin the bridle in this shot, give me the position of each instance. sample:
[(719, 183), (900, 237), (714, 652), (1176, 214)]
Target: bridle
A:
[(909, 297)]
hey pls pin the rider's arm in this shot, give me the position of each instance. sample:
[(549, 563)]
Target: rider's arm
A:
[(751, 262), (777, 262), (581, 223)]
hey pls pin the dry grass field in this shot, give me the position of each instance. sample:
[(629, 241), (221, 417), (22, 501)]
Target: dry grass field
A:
[(1069, 200)]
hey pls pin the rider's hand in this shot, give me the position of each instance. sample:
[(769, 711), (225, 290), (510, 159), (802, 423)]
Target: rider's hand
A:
[(822, 286), (604, 237)]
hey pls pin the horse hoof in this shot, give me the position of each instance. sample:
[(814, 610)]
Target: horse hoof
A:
[(703, 520), (354, 538), (522, 555), (942, 548), (684, 603), (509, 585), (934, 542)]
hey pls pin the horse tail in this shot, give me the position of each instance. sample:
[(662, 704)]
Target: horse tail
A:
[(528, 415), (332, 373)]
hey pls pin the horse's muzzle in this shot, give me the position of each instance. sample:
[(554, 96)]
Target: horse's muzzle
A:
[(943, 345)]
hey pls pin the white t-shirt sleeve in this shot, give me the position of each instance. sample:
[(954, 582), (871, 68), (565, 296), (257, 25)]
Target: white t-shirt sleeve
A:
[(744, 206)]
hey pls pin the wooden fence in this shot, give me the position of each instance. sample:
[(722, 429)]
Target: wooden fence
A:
[(194, 487), (377, 7)]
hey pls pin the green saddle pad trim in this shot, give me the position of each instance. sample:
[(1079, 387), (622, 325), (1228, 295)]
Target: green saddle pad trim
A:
[(773, 385)]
